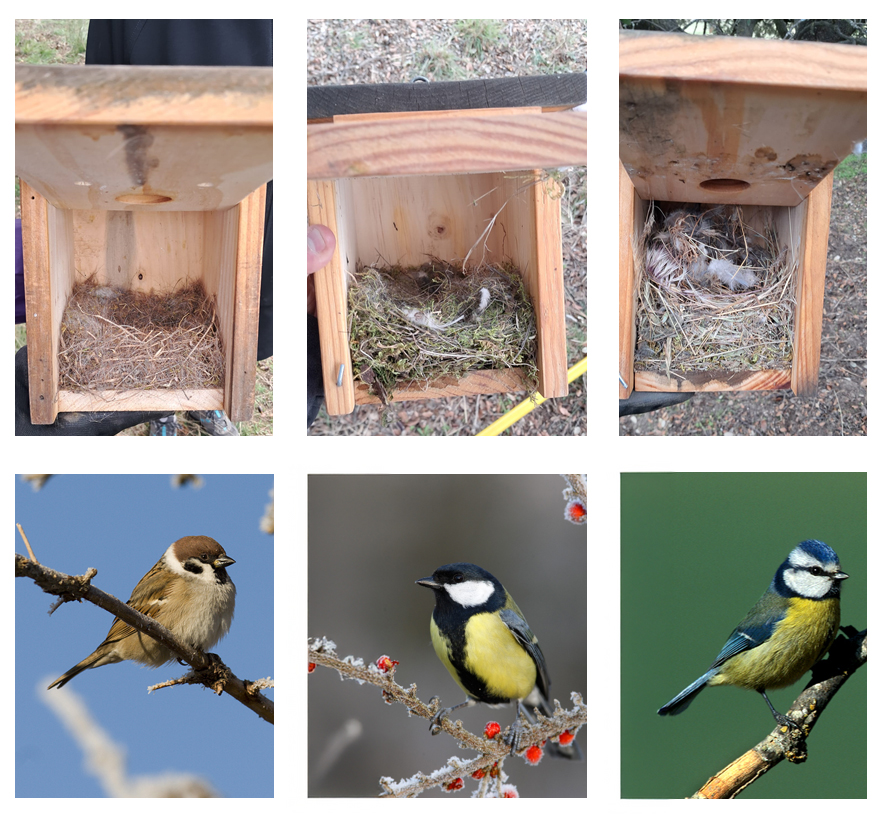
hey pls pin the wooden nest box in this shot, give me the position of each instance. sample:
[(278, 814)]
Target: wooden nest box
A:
[(146, 179), (410, 182), (736, 121)]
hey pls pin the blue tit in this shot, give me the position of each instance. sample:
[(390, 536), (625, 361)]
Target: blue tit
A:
[(482, 638), (785, 633)]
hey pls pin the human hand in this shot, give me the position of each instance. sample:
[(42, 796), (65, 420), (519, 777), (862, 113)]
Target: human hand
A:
[(321, 245)]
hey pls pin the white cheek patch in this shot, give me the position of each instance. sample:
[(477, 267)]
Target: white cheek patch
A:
[(808, 586), (172, 562), (470, 593)]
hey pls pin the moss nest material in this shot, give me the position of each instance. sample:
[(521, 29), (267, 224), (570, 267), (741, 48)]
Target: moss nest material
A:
[(716, 291), (420, 324), (116, 339)]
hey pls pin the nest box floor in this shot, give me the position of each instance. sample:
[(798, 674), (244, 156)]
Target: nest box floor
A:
[(422, 324), (116, 339), (717, 291)]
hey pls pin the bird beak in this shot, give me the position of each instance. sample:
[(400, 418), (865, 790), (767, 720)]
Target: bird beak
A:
[(841, 576), (223, 561), (429, 582)]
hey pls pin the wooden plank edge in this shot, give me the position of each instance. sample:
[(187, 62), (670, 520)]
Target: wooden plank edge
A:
[(494, 381), (159, 399), (479, 143), (767, 380)]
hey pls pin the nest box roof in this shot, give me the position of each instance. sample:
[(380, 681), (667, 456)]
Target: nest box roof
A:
[(735, 120)]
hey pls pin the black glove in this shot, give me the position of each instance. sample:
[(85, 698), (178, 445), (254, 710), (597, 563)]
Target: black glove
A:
[(315, 373), (69, 424), (640, 402)]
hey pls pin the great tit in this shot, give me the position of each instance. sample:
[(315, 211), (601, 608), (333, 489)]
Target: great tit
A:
[(785, 633), (482, 638)]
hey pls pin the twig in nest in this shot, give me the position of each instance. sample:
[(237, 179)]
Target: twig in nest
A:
[(485, 233)]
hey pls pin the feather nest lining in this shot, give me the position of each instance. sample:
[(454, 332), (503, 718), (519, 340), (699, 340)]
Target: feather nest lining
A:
[(715, 291)]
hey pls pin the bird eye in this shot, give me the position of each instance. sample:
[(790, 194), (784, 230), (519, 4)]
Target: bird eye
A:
[(204, 557), (816, 571)]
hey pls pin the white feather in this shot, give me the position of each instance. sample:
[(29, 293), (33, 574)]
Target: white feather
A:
[(737, 277)]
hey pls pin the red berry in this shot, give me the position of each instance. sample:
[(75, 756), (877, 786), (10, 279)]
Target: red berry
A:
[(385, 663), (491, 730), (455, 785), (533, 754), (575, 511), (312, 667)]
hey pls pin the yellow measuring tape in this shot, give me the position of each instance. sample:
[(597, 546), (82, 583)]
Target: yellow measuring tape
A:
[(525, 407)]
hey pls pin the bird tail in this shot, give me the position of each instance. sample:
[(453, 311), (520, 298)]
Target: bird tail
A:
[(684, 698)]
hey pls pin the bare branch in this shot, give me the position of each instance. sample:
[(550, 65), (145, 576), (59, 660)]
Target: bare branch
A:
[(208, 669), (845, 657), (322, 652)]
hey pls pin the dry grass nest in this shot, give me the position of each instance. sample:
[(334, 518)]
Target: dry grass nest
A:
[(717, 292), (116, 339), (421, 324)]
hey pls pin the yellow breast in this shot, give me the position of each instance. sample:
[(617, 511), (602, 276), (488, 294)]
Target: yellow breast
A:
[(796, 644), (495, 656)]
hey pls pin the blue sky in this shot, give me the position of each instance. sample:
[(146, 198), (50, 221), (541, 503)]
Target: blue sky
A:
[(121, 525)]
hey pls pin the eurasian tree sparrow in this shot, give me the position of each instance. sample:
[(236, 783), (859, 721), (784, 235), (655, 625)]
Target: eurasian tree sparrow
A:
[(188, 591)]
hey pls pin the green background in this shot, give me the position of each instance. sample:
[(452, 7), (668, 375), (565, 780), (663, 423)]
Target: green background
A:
[(697, 551)]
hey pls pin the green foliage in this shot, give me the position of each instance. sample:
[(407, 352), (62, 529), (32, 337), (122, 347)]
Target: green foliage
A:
[(478, 36), (852, 166)]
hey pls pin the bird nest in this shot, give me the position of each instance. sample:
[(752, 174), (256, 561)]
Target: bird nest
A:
[(421, 324), (716, 291), (117, 339)]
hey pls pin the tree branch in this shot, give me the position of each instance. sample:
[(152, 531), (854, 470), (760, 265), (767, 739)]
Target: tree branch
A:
[(828, 676), (208, 669), (323, 652)]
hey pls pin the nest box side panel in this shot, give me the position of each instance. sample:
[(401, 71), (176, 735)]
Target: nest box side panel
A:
[(219, 273), (726, 120), (631, 214), (547, 290), (48, 255), (810, 289), (238, 303), (329, 204)]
